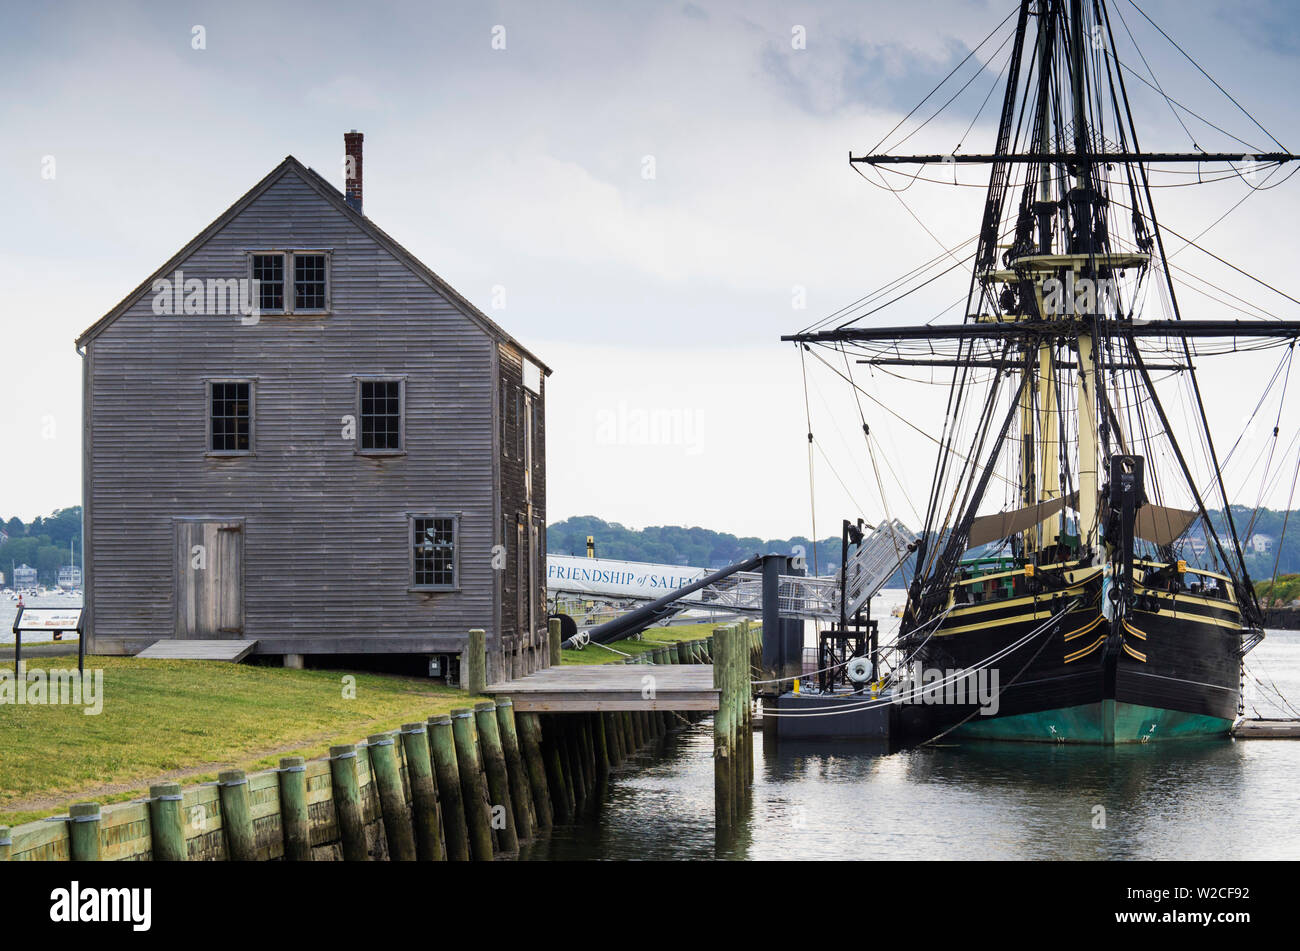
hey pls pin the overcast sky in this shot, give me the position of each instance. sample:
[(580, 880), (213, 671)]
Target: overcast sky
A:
[(521, 175)]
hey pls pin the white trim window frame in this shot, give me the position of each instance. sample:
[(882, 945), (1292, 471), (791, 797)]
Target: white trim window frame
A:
[(441, 571), (315, 273)]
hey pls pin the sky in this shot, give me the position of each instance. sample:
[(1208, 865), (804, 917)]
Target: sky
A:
[(646, 194)]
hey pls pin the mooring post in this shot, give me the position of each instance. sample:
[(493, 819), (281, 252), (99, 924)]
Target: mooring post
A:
[(6, 843), (553, 640), (473, 787), (723, 795), (530, 743), (424, 792), (347, 803), (236, 819), (392, 798), (474, 661), (295, 823), (83, 832), (442, 750), (498, 777), (520, 795), (166, 824)]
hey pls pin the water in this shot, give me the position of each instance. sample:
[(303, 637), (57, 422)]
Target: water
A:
[(9, 610), (1213, 799)]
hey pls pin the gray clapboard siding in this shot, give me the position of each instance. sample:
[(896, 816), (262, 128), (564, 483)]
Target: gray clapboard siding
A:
[(325, 552)]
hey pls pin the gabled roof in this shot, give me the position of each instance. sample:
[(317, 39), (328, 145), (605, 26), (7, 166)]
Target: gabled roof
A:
[(334, 197)]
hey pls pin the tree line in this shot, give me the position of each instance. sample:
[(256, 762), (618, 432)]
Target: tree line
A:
[(42, 544)]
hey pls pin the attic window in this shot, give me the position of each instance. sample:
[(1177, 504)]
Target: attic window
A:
[(309, 281), (307, 292), (269, 270), (380, 415)]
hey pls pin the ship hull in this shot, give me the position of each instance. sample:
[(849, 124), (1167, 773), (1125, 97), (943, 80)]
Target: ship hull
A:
[(1168, 674)]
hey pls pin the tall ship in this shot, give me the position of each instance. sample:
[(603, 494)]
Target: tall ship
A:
[(1079, 549)]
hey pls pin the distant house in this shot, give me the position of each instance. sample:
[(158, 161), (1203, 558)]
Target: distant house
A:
[(1260, 544), (24, 577), (359, 467)]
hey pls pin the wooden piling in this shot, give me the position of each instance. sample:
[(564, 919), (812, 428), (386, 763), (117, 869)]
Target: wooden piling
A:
[(561, 795), (553, 640), (424, 792), (573, 767), (83, 832), (723, 790), (347, 803), (6, 843), (601, 743), (295, 823), (475, 661), (442, 750), (520, 795), (236, 819), (683, 652), (498, 776), (473, 786), (166, 823), (530, 743), (392, 797)]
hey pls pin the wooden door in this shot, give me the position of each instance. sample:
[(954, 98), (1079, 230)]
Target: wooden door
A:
[(209, 579)]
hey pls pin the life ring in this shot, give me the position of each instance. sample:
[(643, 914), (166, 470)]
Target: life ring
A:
[(858, 670)]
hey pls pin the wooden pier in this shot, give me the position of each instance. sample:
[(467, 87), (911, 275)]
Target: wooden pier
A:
[(601, 688)]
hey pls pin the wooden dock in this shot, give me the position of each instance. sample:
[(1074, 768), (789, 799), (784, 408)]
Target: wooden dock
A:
[(1264, 729), (612, 687)]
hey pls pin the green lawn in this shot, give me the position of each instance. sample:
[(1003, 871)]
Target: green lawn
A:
[(164, 715), (651, 638)]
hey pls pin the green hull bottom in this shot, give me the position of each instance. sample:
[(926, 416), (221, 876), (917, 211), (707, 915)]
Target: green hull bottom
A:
[(1105, 723)]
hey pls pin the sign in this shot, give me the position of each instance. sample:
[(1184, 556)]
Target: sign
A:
[(48, 619), (606, 578)]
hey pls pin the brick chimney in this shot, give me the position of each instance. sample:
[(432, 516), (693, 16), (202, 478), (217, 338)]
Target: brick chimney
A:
[(352, 168)]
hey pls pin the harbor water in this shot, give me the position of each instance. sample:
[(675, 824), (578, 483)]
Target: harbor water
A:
[(1193, 799)]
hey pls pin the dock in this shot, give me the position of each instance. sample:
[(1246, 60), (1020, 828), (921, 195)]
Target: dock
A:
[(1267, 729), (602, 688)]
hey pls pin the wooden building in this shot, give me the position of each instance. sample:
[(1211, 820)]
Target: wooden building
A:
[(355, 466)]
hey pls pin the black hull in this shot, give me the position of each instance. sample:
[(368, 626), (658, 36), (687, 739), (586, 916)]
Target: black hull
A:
[(1168, 674)]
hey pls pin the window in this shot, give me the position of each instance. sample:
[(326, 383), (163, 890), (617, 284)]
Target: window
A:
[(433, 551), (269, 269), (230, 416), (309, 282), (380, 415), (307, 291)]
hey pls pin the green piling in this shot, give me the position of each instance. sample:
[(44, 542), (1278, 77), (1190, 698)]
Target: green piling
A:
[(6, 843), (498, 775), (723, 793), (530, 742), (520, 794), (166, 823), (424, 792), (473, 788), (561, 793), (83, 832), (236, 819), (347, 803), (442, 750), (392, 797), (295, 823)]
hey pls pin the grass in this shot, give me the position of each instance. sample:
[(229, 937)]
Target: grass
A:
[(163, 716), (651, 638), (1284, 592)]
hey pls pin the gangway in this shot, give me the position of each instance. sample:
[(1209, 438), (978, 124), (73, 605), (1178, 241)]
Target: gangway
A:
[(738, 588)]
